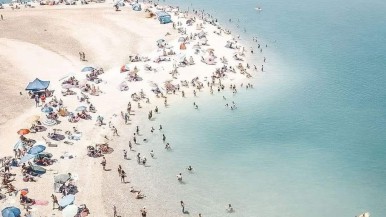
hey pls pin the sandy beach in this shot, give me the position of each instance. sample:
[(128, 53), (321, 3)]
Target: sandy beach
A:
[(44, 42)]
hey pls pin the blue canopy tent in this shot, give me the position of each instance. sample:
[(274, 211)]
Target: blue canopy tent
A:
[(163, 17), (37, 85), (137, 7)]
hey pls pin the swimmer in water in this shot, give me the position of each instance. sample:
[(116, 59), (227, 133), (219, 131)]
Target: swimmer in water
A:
[(230, 208), (190, 168)]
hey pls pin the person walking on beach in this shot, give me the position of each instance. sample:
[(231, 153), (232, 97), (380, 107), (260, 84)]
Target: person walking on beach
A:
[(115, 131), (163, 137), (36, 100), (123, 176), (130, 146), (80, 56), (2, 18), (115, 211), (54, 202), (119, 170), (143, 212), (125, 154), (104, 163), (183, 206)]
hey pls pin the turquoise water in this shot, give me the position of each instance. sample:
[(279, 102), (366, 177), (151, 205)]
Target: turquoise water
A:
[(309, 140)]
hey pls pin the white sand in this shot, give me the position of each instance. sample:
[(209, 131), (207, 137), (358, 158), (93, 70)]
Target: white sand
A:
[(44, 42)]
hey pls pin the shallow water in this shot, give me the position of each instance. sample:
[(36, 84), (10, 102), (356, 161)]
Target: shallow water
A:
[(309, 140)]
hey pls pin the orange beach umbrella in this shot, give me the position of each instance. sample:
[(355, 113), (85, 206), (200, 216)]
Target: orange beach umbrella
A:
[(23, 131)]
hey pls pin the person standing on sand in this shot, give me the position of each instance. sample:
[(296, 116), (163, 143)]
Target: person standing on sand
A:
[(123, 175), (37, 100), (54, 202), (183, 206), (119, 170), (2, 18), (125, 154), (143, 212), (115, 211), (80, 56), (104, 162)]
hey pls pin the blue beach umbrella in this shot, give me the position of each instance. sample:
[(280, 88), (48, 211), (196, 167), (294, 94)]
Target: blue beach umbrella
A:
[(11, 212), (67, 200), (88, 69), (47, 109), (36, 149), (26, 158)]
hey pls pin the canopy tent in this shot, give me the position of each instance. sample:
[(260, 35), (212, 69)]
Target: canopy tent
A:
[(37, 85), (137, 7), (163, 17), (62, 178)]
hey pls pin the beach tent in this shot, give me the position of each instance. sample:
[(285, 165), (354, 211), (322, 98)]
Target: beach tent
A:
[(163, 17), (37, 85), (137, 7), (11, 211)]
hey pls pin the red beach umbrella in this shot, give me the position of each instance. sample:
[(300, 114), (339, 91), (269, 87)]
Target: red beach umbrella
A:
[(23, 131)]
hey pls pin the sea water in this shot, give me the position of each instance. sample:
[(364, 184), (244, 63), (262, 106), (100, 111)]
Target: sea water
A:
[(310, 138)]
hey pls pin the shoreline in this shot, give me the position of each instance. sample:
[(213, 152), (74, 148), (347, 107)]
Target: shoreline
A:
[(88, 182)]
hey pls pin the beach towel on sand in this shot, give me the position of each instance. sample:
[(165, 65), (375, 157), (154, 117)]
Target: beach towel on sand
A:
[(41, 202)]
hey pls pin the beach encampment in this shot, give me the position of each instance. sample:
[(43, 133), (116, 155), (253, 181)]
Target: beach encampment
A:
[(163, 17), (37, 85)]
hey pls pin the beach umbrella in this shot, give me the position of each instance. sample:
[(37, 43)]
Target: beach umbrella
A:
[(36, 149), (88, 69), (23, 131), (47, 109), (81, 108), (70, 211), (67, 200), (11, 211), (38, 169), (26, 158), (181, 39)]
